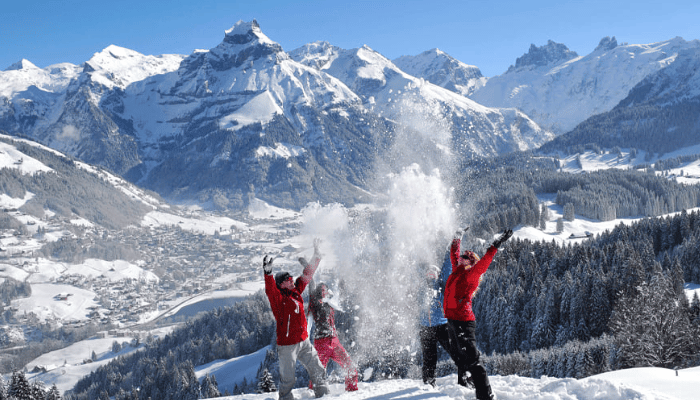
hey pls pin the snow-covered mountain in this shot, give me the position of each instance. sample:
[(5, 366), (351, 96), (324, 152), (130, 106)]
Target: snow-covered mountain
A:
[(63, 106), (559, 89), (440, 68), (660, 114), (443, 115), (245, 119)]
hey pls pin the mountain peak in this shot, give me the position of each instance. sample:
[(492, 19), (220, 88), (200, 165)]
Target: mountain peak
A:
[(246, 32), (551, 53), (441, 69), (244, 42), (21, 64), (606, 43)]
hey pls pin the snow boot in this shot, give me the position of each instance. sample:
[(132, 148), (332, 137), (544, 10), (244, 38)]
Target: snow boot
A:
[(465, 379), (351, 381)]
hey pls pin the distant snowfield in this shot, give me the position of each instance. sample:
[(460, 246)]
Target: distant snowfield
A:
[(262, 108), (688, 173), (205, 223), (45, 302), (111, 270), (10, 157)]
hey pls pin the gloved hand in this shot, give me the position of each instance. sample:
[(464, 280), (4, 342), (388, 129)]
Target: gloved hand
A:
[(317, 245), (504, 236), (303, 262), (267, 265), (460, 233)]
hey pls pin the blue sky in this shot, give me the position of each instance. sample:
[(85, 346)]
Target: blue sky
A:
[(488, 34)]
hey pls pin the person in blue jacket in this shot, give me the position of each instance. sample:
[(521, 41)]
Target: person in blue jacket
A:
[(433, 324)]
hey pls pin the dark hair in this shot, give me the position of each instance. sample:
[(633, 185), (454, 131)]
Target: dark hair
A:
[(281, 277)]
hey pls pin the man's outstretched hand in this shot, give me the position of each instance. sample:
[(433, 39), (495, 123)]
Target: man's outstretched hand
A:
[(267, 265)]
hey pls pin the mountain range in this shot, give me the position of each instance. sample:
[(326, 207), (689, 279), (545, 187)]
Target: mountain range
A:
[(246, 119)]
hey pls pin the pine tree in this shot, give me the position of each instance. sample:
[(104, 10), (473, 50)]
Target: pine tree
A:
[(544, 217), (209, 387), (265, 383), (650, 327), (19, 387), (53, 393), (569, 211), (560, 225)]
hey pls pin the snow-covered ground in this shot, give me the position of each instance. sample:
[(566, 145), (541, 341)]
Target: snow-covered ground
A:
[(631, 384), (688, 173), (66, 366)]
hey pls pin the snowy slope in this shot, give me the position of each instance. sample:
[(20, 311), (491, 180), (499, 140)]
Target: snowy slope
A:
[(116, 66), (65, 368), (560, 94), (441, 69), (632, 384), (19, 77)]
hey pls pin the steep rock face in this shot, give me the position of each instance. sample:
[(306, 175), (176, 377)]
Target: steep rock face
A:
[(559, 90), (550, 54)]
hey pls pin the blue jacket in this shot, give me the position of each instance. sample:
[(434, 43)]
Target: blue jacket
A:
[(431, 313)]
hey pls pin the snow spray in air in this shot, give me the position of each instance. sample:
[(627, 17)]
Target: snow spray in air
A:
[(378, 252)]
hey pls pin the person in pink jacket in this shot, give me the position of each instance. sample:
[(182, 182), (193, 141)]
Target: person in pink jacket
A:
[(284, 294), (322, 309), (462, 284)]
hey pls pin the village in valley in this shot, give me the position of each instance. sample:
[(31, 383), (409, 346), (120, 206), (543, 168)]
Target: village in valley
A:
[(171, 265)]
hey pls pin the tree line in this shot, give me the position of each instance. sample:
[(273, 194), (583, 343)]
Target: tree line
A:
[(505, 191), (165, 368)]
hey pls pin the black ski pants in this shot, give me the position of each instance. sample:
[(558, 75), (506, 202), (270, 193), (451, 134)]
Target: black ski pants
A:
[(430, 336), (462, 333)]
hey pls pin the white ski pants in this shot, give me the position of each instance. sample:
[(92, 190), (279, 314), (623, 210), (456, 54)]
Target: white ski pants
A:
[(305, 352)]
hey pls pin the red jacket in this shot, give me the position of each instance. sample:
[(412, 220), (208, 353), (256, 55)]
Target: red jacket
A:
[(288, 306), (462, 284)]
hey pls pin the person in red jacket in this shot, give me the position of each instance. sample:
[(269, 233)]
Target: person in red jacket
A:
[(467, 271), (284, 294)]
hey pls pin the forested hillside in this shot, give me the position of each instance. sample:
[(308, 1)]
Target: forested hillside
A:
[(68, 191), (652, 128), (505, 191)]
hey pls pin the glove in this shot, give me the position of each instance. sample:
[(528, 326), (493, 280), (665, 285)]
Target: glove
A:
[(504, 236), (303, 262), (460, 233), (317, 244), (267, 265)]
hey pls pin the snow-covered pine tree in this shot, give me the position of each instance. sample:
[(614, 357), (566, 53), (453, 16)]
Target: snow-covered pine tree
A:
[(209, 387), (53, 393), (266, 384), (19, 388), (650, 327)]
